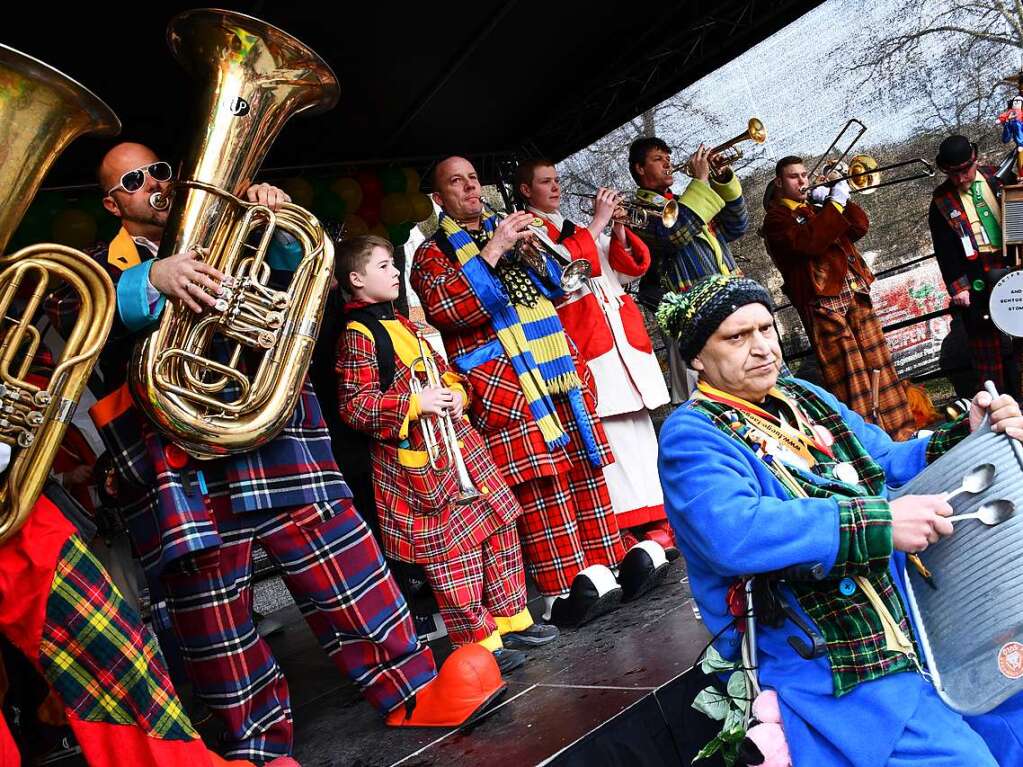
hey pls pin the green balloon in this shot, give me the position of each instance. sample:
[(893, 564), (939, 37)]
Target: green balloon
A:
[(329, 206), (393, 180), (398, 234)]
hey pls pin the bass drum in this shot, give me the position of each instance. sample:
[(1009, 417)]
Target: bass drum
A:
[(1006, 304)]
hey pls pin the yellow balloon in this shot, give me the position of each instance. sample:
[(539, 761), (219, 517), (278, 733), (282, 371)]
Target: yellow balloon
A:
[(411, 180), (348, 189), (300, 191), (421, 205), (394, 209), (75, 228), (355, 226)]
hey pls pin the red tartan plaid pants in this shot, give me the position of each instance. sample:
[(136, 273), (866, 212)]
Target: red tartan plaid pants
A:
[(479, 585), (336, 573), (101, 661), (567, 525)]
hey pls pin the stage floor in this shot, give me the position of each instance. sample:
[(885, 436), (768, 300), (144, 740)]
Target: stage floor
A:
[(564, 692), (554, 706)]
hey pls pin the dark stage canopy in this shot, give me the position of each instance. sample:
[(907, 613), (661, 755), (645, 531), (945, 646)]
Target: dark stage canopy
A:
[(418, 80)]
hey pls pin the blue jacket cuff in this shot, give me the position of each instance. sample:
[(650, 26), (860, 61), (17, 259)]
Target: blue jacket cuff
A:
[(133, 297)]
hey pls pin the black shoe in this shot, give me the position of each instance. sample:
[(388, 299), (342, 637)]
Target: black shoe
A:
[(644, 568), (588, 599), (508, 659), (535, 636)]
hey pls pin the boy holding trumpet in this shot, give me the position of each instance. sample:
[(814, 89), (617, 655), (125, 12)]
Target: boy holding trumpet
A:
[(442, 502)]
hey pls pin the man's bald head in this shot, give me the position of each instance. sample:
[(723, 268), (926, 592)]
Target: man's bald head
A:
[(120, 159), (456, 188), (134, 209)]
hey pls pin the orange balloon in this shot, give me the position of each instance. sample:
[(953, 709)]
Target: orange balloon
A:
[(421, 205), (355, 226), (348, 189), (395, 208)]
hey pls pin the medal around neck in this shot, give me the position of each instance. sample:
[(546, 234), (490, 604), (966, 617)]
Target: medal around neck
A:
[(844, 472)]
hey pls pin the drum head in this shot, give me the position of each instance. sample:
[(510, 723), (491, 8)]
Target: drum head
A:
[(1006, 307)]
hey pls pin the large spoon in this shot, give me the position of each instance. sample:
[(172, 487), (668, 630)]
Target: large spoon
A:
[(991, 513), (977, 480)]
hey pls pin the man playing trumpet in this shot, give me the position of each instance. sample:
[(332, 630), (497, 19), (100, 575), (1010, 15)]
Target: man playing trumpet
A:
[(608, 329), (711, 213), (828, 282), (498, 323)]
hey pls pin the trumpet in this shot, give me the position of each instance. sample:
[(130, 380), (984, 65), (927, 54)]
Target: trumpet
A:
[(439, 435), (727, 153), (533, 250), (635, 213)]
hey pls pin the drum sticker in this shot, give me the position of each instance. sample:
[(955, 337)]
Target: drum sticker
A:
[(1010, 660), (239, 107)]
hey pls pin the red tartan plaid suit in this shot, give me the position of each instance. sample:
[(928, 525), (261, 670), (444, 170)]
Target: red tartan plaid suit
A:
[(568, 522), (470, 551)]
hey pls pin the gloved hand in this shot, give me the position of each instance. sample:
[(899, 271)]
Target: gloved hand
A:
[(840, 193), (819, 194)]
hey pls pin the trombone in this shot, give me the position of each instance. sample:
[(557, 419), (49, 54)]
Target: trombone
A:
[(635, 213), (728, 153), (533, 250), (864, 175), (439, 435), (862, 171)]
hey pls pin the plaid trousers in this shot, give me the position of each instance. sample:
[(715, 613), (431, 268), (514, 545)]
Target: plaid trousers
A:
[(60, 609), (849, 345), (484, 583), (567, 525), (334, 569), (989, 350)]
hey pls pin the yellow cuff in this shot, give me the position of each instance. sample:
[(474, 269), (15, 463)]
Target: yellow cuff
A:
[(730, 190), (492, 642), (702, 200), (412, 415), (519, 622), (841, 208)]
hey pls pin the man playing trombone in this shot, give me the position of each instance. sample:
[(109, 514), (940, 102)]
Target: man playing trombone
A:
[(828, 282), (711, 213)]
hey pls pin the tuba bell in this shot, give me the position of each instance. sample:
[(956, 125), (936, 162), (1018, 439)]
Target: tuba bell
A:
[(41, 112), (188, 375)]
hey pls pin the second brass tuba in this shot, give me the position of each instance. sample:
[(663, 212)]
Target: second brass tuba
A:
[(227, 380), (41, 112)]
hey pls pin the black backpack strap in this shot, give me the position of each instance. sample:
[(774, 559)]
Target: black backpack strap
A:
[(381, 341)]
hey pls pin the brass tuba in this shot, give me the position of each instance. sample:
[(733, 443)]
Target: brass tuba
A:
[(41, 112), (255, 78)]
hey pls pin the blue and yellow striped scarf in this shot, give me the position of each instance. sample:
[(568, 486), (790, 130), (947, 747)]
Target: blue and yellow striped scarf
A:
[(534, 341)]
